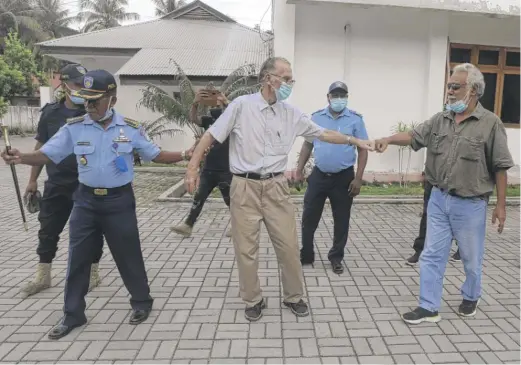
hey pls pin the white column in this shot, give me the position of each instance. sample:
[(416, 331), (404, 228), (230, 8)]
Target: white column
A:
[(436, 65), (284, 30)]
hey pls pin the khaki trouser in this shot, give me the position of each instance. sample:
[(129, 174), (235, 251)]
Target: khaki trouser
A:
[(253, 201)]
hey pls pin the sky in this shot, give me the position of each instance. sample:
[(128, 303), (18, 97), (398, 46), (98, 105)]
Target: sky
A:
[(248, 12)]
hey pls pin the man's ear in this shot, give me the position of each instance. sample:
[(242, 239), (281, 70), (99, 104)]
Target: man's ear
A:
[(113, 101)]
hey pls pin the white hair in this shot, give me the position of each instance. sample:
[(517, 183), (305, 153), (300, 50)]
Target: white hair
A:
[(474, 77)]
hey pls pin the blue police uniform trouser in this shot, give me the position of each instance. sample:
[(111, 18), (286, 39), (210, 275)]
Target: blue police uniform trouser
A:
[(114, 216), (55, 210)]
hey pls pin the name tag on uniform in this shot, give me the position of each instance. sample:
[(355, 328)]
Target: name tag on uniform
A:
[(86, 143)]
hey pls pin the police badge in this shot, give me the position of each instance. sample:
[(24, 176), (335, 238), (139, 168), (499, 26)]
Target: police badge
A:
[(88, 81)]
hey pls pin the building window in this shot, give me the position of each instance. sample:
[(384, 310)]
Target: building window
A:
[(500, 67)]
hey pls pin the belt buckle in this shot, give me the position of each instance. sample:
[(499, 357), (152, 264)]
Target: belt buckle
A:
[(101, 192), (265, 176)]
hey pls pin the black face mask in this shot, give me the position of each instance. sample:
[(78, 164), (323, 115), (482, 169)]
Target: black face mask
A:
[(216, 112)]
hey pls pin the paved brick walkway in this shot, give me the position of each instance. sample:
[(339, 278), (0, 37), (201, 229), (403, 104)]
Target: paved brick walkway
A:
[(198, 316)]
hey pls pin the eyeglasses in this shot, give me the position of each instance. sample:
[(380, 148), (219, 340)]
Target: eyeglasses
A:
[(286, 80), (454, 86)]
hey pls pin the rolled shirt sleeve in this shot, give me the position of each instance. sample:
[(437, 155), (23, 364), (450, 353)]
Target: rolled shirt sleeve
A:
[(500, 156), (360, 131), (308, 129), (224, 125), (59, 146), (147, 149), (421, 134)]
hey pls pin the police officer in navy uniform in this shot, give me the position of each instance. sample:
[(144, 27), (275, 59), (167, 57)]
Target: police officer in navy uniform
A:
[(55, 205), (333, 176), (102, 142)]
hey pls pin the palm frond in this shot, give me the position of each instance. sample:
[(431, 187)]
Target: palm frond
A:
[(186, 89), (244, 91), (239, 83), (246, 70), (171, 132), (157, 100)]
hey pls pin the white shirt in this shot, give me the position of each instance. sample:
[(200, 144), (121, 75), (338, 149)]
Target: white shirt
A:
[(262, 135)]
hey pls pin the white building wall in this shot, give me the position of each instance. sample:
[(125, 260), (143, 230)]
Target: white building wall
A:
[(394, 62)]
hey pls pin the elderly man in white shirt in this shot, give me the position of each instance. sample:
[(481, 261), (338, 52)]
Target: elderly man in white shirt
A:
[(262, 129)]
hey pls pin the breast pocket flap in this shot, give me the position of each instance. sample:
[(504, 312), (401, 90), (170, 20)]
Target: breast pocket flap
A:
[(124, 148), (84, 150), (471, 149)]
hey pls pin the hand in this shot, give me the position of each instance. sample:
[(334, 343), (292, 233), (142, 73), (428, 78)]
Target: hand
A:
[(500, 214), (191, 180), (221, 99), (365, 145), (14, 156), (354, 187), (31, 188), (200, 95), (381, 145)]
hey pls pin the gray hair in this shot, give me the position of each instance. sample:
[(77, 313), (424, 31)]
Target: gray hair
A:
[(474, 77), (269, 66)]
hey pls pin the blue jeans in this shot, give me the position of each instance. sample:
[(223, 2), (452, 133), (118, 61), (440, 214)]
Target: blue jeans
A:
[(447, 217)]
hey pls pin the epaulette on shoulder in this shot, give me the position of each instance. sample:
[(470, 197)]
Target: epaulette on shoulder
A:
[(356, 113), (318, 111), (75, 119), (131, 122)]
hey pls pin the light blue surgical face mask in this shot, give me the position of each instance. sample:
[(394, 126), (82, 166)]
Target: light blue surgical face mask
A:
[(458, 107), (283, 92), (77, 100), (338, 104), (108, 114)]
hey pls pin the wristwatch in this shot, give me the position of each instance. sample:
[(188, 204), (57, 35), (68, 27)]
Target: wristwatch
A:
[(348, 140)]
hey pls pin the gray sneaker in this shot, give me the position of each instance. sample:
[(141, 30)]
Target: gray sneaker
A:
[(183, 229), (299, 309), (255, 313)]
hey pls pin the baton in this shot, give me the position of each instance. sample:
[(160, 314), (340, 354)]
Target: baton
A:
[(13, 172)]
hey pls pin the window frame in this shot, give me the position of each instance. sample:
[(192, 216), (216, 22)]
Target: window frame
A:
[(500, 69)]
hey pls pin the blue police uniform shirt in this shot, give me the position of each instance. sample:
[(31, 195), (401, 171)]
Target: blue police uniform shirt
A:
[(96, 149), (332, 158)]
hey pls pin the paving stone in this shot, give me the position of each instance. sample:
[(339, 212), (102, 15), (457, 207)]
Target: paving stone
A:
[(198, 314)]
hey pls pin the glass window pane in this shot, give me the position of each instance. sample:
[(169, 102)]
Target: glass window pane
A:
[(510, 103), (460, 55), (488, 99), (488, 57), (512, 59)]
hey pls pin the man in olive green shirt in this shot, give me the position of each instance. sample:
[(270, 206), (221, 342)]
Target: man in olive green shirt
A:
[(467, 155)]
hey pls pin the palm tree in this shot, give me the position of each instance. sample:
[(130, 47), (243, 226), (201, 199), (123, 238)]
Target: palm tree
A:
[(19, 16), (53, 18), (164, 7), (176, 109), (104, 14)]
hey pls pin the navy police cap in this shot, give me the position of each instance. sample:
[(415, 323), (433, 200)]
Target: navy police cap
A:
[(73, 73), (97, 83), (337, 85)]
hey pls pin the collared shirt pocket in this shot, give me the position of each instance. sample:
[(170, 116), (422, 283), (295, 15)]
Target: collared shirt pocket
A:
[(84, 156), (437, 143), (277, 143), (123, 148), (471, 149)]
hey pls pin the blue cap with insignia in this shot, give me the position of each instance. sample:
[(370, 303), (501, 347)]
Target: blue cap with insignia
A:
[(337, 85), (97, 83)]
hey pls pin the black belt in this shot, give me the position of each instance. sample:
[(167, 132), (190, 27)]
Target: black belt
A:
[(452, 193), (331, 174), (105, 191), (254, 176)]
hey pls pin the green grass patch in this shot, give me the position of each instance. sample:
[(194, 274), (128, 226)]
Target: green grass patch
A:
[(386, 189)]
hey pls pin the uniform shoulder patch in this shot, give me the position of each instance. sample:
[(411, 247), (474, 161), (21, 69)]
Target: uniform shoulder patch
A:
[(356, 113), (76, 119), (133, 123)]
